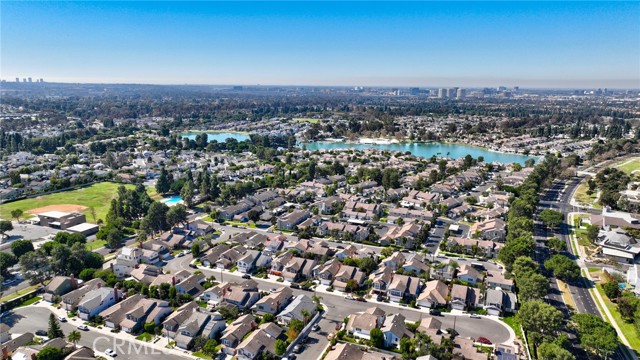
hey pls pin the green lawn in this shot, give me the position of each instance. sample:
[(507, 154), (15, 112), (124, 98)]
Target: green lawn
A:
[(627, 328), (514, 323), (202, 355), (33, 300), (631, 166), (20, 293), (145, 336), (97, 196), (583, 198), (307, 120), (96, 244)]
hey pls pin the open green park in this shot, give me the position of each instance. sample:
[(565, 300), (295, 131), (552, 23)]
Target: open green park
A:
[(629, 166), (97, 197)]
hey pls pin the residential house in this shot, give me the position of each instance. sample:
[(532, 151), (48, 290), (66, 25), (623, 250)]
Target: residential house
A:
[(497, 302), (291, 220), (469, 274), (298, 268), (235, 332), (213, 254), (348, 351), (296, 308), (242, 295), (464, 348), (404, 287), (199, 227), (273, 303), (260, 341), (71, 299), (381, 279), (230, 257), (145, 273), (435, 294), (493, 229), (97, 300), (191, 285), (252, 260), (495, 279), (133, 312), (347, 274), (444, 272), (404, 235), (361, 324), (59, 286), (394, 329), (328, 271), (394, 261), (463, 297), (415, 265)]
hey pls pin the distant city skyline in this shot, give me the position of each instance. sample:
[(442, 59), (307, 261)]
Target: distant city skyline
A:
[(415, 44)]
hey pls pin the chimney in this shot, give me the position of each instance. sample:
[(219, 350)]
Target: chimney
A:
[(173, 280), (74, 285), (116, 295), (33, 356), (111, 266), (99, 285), (5, 352)]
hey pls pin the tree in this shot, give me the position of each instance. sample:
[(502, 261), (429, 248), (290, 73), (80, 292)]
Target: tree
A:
[(5, 226), (195, 250), (595, 334), (377, 338), (7, 260), (163, 184), (540, 318), (280, 347), (592, 232), (352, 285), (187, 193), (532, 286), (551, 218), (562, 267), (524, 265), (54, 328), (210, 346), (21, 247), (612, 289), (35, 266), (50, 353), (177, 215), (156, 219), (556, 244), (551, 351), (74, 336), (114, 237), (16, 214), (367, 265)]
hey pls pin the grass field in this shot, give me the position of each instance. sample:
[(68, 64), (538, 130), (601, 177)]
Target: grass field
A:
[(627, 328), (97, 196), (33, 300), (629, 166), (20, 293), (307, 120), (583, 198), (96, 244)]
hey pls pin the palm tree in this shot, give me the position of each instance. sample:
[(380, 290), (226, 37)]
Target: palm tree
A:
[(305, 315), (74, 337)]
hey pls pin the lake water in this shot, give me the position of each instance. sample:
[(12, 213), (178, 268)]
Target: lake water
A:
[(217, 136), (427, 150)]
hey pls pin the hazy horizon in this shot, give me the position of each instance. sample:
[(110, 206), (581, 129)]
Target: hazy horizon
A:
[(530, 45)]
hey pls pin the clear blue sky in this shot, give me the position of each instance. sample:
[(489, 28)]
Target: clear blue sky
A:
[(535, 44)]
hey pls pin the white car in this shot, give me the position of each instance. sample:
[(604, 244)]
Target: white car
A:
[(180, 254), (315, 327), (62, 319), (110, 352), (273, 290), (83, 327), (475, 316), (349, 297)]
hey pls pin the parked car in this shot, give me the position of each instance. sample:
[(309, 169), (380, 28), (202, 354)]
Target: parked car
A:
[(62, 319), (83, 327), (475, 316), (110, 352), (349, 297), (41, 332), (180, 254), (361, 299), (294, 286), (272, 290), (297, 349), (192, 265), (435, 312), (307, 288), (452, 332), (246, 276), (483, 340), (315, 327)]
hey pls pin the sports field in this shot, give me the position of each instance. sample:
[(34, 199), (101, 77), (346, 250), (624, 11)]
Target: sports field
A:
[(97, 196)]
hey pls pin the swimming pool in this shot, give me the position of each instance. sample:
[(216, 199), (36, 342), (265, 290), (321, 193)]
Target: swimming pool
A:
[(172, 200)]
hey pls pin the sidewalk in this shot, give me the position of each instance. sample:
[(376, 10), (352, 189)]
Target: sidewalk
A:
[(139, 344)]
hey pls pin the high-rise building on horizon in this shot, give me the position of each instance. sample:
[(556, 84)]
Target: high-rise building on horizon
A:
[(461, 93), (17, 80), (30, 80)]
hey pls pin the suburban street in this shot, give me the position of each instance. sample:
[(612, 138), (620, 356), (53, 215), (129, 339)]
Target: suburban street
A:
[(32, 318)]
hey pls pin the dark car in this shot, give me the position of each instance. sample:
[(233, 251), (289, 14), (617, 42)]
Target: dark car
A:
[(307, 288), (41, 332), (435, 313), (452, 332), (483, 340), (294, 286), (246, 276), (193, 266), (361, 299)]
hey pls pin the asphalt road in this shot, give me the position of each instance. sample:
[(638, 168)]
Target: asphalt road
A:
[(30, 319)]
